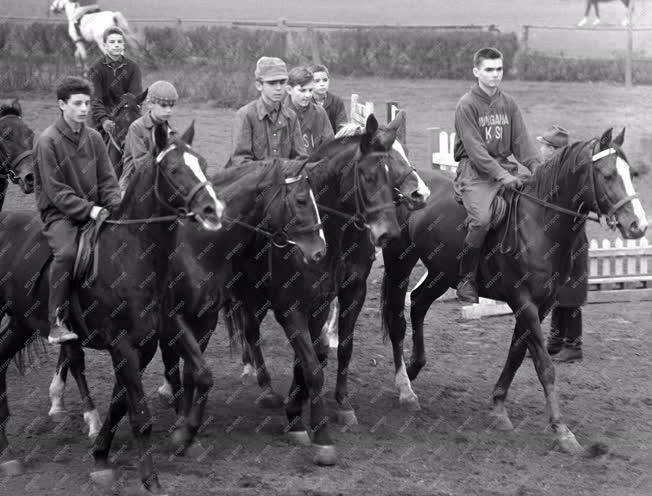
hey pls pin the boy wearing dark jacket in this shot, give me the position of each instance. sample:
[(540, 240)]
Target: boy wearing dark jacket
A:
[(489, 128), (74, 182)]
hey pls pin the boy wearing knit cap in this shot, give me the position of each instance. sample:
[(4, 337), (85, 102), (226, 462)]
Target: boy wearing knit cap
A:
[(333, 104), (315, 126), (266, 128), (112, 76), (139, 142)]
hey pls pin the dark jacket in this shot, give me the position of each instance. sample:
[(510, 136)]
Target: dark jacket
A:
[(72, 174), (256, 137), (110, 81), (490, 129), (334, 107), (315, 126)]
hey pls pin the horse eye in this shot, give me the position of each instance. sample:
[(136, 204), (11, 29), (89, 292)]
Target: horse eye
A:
[(302, 200)]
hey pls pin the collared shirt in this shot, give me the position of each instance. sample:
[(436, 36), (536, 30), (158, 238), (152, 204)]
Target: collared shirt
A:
[(139, 147), (111, 79), (334, 107), (73, 173), (315, 126), (257, 136)]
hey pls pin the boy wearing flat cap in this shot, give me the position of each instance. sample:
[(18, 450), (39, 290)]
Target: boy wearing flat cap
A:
[(139, 142), (553, 139), (267, 128), (565, 339)]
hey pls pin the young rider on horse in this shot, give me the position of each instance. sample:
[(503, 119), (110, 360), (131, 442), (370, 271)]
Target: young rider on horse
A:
[(266, 128), (333, 104), (313, 119), (139, 142), (489, 128), (565, 339), (74, 182), (112, 76)]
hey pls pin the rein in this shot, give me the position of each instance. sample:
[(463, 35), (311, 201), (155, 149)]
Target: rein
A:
[(359, 219)]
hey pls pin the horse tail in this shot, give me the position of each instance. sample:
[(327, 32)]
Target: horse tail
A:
[(34, 349)]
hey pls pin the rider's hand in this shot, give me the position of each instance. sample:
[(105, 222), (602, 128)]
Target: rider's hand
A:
[(511, 182), (99, 213), (108, 125)]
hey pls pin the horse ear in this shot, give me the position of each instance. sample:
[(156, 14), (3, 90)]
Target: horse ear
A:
[(398, 120), (16, 105), (372, 125), (160, 136), (605, 139), (189, 134), (141, 98), (620, 139)]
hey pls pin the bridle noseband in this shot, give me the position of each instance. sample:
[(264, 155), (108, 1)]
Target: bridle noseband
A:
[(8, 167)]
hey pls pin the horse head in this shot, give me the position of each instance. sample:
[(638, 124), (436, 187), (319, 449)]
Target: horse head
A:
[(409, 188), (16, 143), (613, 192), (290, 211), (184, 186), (126, 112), (369, 186)]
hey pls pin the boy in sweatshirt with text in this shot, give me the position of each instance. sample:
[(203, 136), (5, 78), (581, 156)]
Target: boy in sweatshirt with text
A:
[(489, 128)]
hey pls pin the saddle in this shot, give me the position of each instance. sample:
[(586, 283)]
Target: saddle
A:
[(85, 269)]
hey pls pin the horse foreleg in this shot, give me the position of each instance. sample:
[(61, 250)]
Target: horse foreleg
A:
[(3, 190), (169, 393), (13, 340), (528, 334), (128, 395), (308, 382)]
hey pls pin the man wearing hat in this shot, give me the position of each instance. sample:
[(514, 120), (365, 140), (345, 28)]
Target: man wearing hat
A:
[(553, 139), (139, 142), (565, 339), (266, 128)]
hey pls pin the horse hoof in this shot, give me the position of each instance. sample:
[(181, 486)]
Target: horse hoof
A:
[(11, 468), (568, 444), (59, 416), (325, 456), (104, 478), (248, 375), (270, 400), (410, 404), (501, 422), (180, 440), (347, 417), (300, 438), (195, 450)]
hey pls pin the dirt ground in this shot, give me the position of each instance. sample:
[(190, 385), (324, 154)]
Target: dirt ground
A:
[(447, 448)]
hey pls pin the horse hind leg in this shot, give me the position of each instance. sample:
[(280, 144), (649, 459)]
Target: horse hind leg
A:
[(76, 361), (58, 412)]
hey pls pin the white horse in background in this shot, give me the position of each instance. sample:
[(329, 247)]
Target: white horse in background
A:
[(86, 24)]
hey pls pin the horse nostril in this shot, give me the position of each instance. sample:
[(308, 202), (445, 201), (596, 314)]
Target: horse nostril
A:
[(29, 179), (208, 211)]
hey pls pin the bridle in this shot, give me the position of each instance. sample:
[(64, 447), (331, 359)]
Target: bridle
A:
[(610, 216), (399, 197), (180, 213), (8, 165), (280, 238), (362, 207), (112, 141)]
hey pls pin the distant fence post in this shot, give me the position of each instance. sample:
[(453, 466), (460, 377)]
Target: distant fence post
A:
[(630, 46), (314, 45), (525, 38), (281, 24), (401, 133)]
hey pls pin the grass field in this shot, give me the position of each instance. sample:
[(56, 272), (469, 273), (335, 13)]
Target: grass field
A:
[(508, 15)]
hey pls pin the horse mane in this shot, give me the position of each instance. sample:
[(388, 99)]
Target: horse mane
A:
[(225, 177), (546, 178), (9, 110)]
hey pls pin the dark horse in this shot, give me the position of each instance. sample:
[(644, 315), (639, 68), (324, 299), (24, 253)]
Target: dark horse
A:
[(351, 181), (527, 258), (126, 112), (119, 309), (350, 258), (260, 199), (594, 4), (16, 143)]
